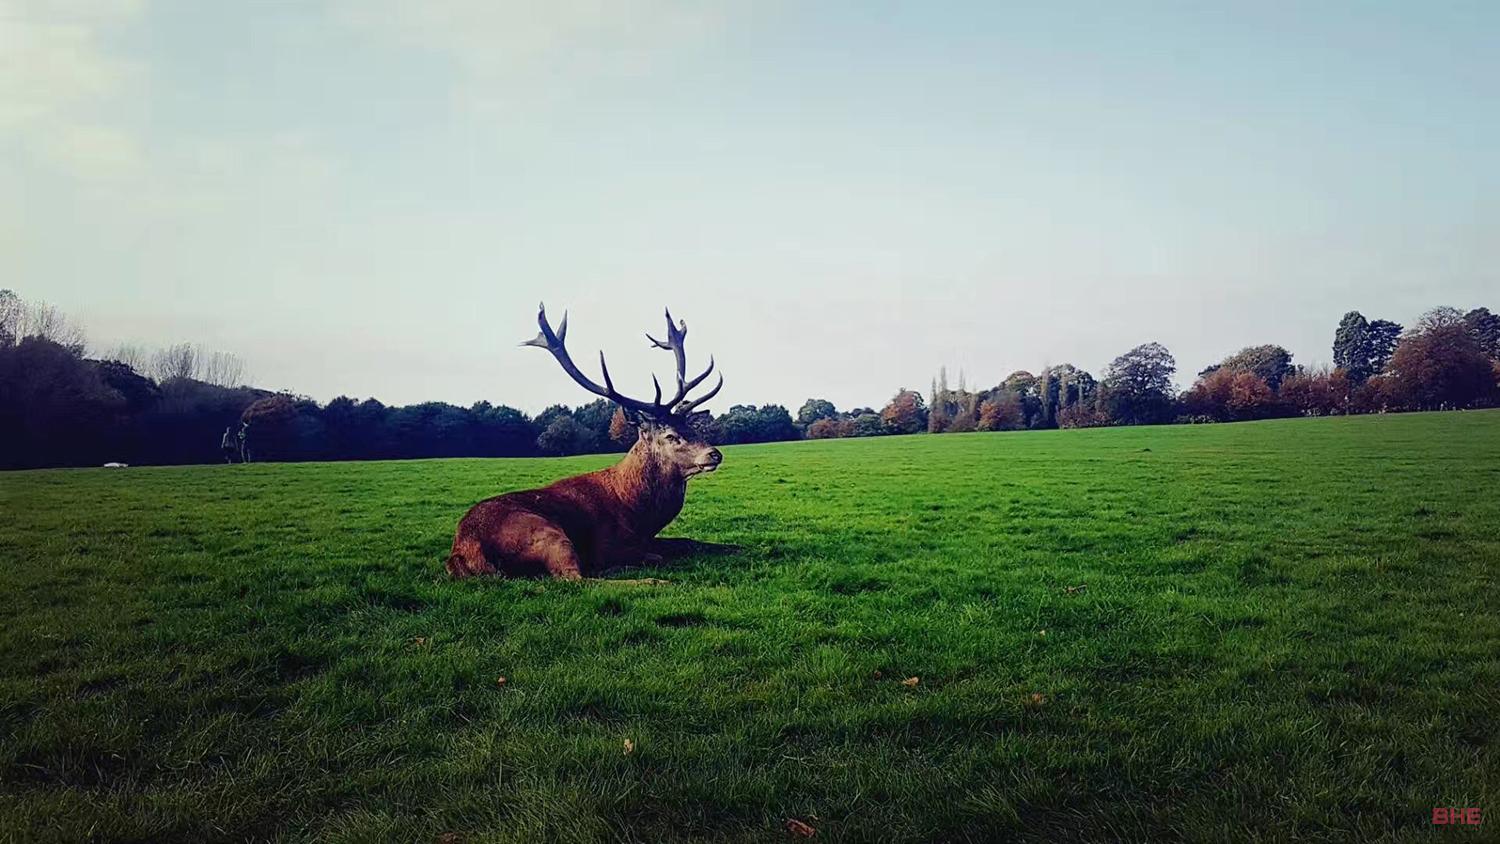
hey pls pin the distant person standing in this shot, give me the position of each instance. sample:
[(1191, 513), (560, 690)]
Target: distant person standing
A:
[(228, 444), (244, 442)]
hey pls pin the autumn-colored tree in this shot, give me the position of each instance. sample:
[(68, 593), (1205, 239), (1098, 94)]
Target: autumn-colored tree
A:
[(1339, 386), (905, 413), (823, 429), (1271, 362), (989, 415), (269, 410), (621, 429), (270, 427), (1316, 392), (1229, 395), (1250, 397), (1297, 391), (1002, 411), (1440, 364), (1376, 395), (1209, 395)]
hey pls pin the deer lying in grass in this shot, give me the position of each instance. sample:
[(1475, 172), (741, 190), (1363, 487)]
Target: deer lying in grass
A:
[(587, 524)]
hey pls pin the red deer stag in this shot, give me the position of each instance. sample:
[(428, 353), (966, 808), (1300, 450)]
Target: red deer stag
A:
[(587, 524)]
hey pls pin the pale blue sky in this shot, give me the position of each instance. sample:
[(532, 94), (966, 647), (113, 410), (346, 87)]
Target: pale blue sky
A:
[(370, 196)]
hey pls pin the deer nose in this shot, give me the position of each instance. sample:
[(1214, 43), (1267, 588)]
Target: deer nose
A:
[(715, 455)]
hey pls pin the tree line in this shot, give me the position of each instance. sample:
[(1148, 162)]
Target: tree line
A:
[(1448, 359), (181, 404)]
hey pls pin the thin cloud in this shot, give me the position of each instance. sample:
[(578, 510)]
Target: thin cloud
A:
[(60, 86), (510, 52)]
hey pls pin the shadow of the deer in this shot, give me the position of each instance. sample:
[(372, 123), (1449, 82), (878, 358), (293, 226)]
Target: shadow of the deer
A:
[(675, 548), (665, 551)]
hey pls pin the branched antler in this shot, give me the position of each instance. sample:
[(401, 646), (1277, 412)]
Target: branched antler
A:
[(678, 405), (676, 334)]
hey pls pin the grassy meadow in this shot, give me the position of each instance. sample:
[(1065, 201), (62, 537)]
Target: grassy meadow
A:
[(1263, 631)]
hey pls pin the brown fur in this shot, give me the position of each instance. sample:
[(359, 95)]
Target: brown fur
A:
[(584, 525)]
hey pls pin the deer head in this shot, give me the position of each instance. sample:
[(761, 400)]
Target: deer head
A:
[(665, 430)]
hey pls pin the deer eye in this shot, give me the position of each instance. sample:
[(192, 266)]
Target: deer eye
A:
[(673, 438)]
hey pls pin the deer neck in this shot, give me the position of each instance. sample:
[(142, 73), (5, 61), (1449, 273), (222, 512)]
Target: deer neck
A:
[(650, 489)]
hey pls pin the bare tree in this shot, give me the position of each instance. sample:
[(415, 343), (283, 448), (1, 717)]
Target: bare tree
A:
[(20, 319), (179, 361), (1440, 317), (222, 369), (12, 311), (45, 321), (185, 360), (131, 355)]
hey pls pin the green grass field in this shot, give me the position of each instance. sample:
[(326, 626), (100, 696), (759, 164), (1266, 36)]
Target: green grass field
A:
[(1262, 631)]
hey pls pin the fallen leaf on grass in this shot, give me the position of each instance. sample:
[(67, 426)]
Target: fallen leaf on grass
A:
[(877, 675), (1036, 700), (450, 838), (420, 641), (1074, 590), (629, 747), (799, 829), (500, 681), (911, 682)]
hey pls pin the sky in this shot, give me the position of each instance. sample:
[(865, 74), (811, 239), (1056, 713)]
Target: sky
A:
[(370, 197)]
